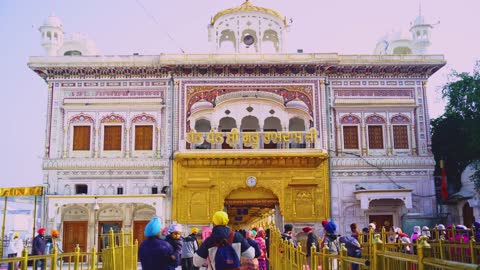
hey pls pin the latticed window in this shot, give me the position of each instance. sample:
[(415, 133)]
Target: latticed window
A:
[(112, 138), (81, 138), (400, 137), (375, 137), (350, 137), (144, 137)]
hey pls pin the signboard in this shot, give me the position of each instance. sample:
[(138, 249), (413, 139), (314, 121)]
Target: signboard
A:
[(251, 139), (21, 191)]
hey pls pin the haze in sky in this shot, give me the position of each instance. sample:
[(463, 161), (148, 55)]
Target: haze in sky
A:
[(124, 27)]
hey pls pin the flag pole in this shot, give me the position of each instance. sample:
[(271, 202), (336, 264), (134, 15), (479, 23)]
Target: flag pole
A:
[(3, 225)]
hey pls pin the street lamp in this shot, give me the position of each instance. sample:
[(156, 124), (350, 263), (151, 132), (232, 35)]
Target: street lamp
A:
[(96, 207)]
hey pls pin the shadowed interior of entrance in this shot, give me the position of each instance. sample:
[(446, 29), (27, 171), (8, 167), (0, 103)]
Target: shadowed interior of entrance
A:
[(249, 206)]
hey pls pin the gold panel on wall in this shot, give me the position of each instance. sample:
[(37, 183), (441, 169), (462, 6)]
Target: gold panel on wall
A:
[(204, 179)]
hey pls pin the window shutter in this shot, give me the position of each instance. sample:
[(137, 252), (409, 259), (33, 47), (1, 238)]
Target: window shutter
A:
[(375, 137), (81, 138), (400, 137), (350, 137), (143, 137), (112, 138)]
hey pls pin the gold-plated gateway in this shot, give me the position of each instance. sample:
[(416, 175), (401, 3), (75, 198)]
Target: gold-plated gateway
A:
[(204, 179)]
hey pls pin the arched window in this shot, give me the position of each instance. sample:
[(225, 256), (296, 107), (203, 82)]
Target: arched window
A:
[(271, 124), (144, 125), (72, 53), (249, 124), (350, 126), (226, 125), (82, 130), (203, 125), (375, 124), (400, 126), (297, 124)]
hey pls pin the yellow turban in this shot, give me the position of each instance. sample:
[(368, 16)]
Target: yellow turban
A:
[(220, 218), (194, 230)]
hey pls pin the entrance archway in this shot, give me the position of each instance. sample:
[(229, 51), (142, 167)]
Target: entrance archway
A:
[(249, 206)]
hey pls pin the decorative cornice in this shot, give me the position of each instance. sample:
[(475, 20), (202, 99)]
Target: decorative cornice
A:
[(254, 158), (245, 65), (104, 163), (410, 162)]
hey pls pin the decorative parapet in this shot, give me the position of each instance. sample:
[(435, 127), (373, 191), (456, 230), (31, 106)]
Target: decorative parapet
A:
[(307, 158), (201, 65), (104, 163), (382, 162)]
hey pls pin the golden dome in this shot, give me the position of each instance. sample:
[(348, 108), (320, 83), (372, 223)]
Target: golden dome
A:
[(247, 6)]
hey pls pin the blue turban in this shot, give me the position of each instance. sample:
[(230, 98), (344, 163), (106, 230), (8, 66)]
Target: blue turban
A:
[(153, 227), (331, 227)]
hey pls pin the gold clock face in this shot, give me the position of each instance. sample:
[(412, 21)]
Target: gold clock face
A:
[(251, 181)]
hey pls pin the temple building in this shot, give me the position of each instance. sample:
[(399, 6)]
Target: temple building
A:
[(265, 134)]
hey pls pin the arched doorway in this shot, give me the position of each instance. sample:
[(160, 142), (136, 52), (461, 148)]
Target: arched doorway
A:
[(468, 217), (250, 206)]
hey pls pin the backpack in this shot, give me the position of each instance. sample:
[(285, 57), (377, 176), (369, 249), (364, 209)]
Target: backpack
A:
[(226, 257)]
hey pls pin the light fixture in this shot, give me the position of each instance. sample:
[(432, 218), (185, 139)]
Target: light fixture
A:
[(96, 207)]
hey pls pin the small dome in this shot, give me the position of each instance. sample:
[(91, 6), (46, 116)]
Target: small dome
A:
[(53, 21), (201, 105), (297, 104), (247, 6)]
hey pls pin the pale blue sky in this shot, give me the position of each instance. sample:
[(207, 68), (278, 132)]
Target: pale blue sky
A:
[(122, 27)]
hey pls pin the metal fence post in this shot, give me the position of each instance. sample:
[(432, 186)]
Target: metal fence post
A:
[(473, 256), (94, 258), (422, 246), (54, 258), (343, 254), (25, 258), (77, 258), (112, 246), (325, 264), (377, 245)]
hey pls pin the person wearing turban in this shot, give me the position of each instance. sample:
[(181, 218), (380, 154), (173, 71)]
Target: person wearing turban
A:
[(174, 237), (38, 248), (190, 246), (220, 233), (15, 247), (155, 253), (312, 239)]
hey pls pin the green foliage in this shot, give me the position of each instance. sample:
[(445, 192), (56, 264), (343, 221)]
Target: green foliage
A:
[(456, 133)]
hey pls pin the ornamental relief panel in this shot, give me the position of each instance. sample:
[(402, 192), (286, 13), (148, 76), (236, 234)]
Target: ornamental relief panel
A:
[(202, 190)]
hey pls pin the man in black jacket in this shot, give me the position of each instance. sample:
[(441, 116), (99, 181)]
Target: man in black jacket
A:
[(38, 248)]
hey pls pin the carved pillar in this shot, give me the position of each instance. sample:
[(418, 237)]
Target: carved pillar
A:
[(364, 140), (128, 142), (413, 141), (388, 134), (159, 141), (339, 141), (65, 141), (97, 142)]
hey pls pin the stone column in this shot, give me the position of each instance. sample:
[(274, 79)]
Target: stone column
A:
[(413, 140), (158, 142), (65, 142), (389, 134), (364, 139), (128, 142), (339, 141), (96, 145)]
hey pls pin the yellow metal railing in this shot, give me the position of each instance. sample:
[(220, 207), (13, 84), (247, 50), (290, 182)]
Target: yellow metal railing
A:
[(378, 254), (119, 253)]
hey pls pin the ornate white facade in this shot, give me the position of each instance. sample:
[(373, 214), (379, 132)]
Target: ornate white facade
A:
[(370, 113)]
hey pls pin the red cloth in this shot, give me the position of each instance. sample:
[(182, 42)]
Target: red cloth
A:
[(443, 187)]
